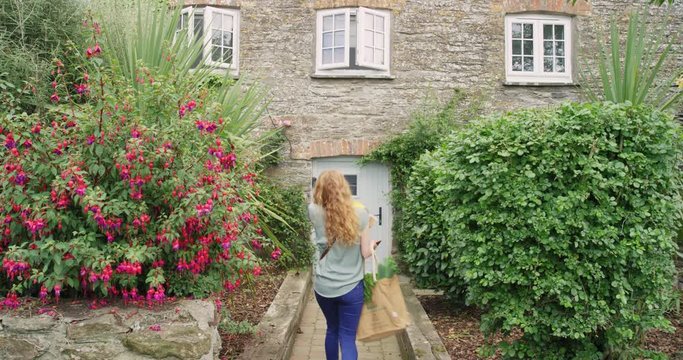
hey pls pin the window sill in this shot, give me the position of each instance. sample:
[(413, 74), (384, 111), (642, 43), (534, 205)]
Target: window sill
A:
[(232, 73), (539, 84), (353, 76)]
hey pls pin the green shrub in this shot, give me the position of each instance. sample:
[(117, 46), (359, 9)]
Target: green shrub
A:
[(431, 256), (427, 129), (287, 222), (105, 198), (564, 222), (32, 32)]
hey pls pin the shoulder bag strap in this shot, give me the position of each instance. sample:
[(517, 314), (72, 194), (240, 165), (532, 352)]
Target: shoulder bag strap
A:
[(329, 246)]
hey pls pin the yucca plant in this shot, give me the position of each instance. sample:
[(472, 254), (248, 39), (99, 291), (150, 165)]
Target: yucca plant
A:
[(142, 39), (632, 73)]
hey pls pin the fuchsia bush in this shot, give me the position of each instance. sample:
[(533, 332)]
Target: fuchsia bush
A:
[(118, 189)]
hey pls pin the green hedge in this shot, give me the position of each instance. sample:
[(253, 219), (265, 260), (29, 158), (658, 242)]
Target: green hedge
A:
[(563, 222), (292, 229)]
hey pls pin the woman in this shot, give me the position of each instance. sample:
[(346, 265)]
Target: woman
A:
[(340, 225)]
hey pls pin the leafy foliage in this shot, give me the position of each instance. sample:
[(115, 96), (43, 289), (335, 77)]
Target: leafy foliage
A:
[(427, 129), (431, 254), (287, 222), (634, 73), (32, 32), (563, 222), (385, 270), (103, 197)]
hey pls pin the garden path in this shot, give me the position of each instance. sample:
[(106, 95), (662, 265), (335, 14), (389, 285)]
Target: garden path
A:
[(310, 342)]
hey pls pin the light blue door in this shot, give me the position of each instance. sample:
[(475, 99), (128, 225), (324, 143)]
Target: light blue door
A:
[(369, 185)]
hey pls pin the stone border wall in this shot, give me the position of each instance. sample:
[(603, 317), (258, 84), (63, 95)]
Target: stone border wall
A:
[(276, 331), (185, 330)]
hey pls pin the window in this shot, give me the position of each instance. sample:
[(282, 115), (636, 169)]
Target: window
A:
[(218, 29), (352, 41), (351, 179), (538, 49)]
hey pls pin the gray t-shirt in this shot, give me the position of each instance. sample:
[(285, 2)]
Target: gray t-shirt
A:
[(342, 268)]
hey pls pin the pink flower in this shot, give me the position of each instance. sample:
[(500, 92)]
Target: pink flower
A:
[(276, 254), (155, 327), (191, 105), (54, 97), (9, 142), (90, 140), (257, 271), (43, 292), (82, 89)]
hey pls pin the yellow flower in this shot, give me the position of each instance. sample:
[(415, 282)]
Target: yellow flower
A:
[(680, 82)]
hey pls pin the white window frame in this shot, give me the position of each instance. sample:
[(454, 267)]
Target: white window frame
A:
[(319, 37), (362, 17), (189, 11), (208, 17), (342, 69), (538, 76)]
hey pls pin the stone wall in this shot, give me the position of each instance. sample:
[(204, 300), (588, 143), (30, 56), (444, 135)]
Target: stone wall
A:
[(437, 46), (186, 330)]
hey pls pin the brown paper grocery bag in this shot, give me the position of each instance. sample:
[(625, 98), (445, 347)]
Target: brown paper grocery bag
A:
[(386, 314)]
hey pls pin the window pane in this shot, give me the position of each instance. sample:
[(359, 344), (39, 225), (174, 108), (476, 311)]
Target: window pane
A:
[(216, 53), (327, 23), (528, 47), (198, 25), (516, 31), (216, 21), (516, 47), (216, 37), (353, 183), (227, 39), (327, 56), (528, 31), (379, 23), (182, 24), (379, 41), (339, 38), (516, 63), (338, 55), (547, 31), (559, 64), (559, 48), (369, 38), (339, 22), (227, 56), (227, 22), (559, 32), (327, 40), (548, 64), (353, 41), (528, 63), (367, 57), (547, 48), (379, 56)]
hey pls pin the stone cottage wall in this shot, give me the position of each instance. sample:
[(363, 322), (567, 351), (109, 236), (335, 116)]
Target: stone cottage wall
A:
[(437, 46)]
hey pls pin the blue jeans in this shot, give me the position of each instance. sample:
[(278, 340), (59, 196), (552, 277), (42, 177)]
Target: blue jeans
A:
[(342, 314)]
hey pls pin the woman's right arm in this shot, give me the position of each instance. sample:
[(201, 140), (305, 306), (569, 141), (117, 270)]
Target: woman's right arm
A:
[(366, 244)]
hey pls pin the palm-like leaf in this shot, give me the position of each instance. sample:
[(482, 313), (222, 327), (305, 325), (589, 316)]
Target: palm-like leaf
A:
[(144, 37), (633, 73)]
